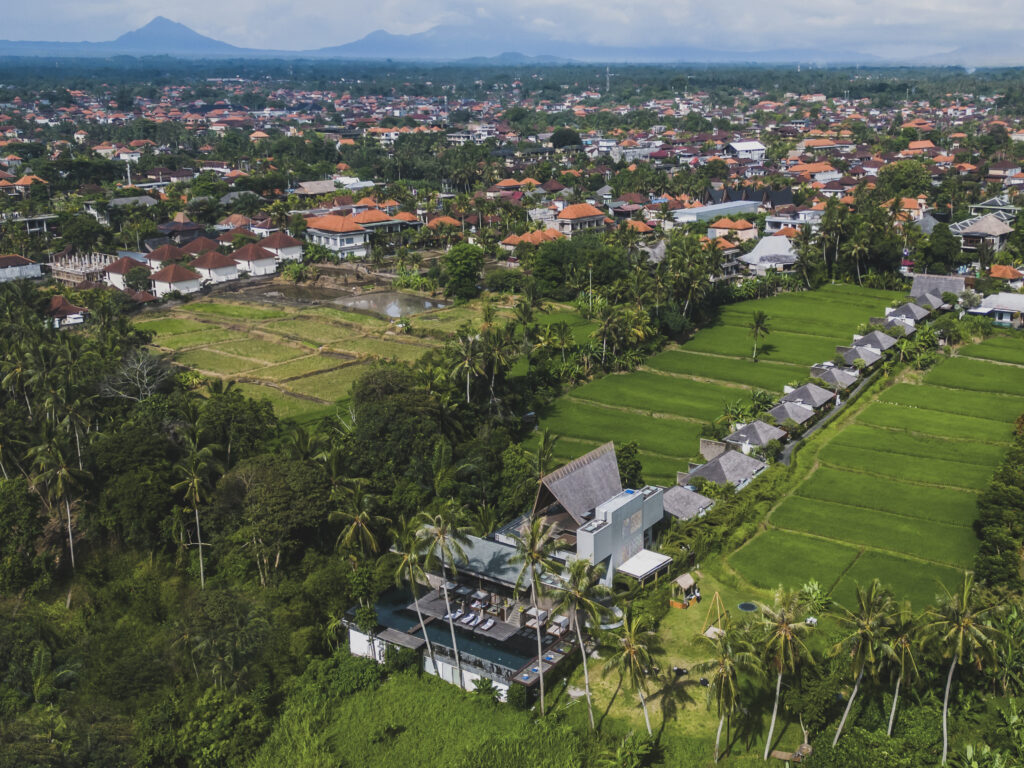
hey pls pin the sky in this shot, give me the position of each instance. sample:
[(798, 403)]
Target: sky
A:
[(892, 28)]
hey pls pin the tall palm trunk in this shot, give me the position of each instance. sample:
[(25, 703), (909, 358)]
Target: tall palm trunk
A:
[(849, 705), (540, 646), (71, 538), (895, 698), (451, 626), (775, 712), (199, 543), (945, 710), (586, 672), (647, 718), (467, 384), (423, 626), (718, 736)]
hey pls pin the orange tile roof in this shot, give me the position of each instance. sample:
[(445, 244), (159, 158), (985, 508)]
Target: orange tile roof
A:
[(334, 223), (579, 211)]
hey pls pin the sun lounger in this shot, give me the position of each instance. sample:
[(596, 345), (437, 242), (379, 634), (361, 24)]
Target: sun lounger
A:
[(454, 616), (487, 625), (475, 605), (468, 618), (476, 620)]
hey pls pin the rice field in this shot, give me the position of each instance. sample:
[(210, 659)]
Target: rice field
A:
[(689, 385), (899, 481), (303, 360)]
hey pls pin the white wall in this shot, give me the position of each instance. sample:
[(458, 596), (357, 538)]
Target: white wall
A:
[(188, 286)]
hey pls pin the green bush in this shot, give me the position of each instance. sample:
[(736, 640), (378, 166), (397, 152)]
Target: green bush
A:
[(518, 696)]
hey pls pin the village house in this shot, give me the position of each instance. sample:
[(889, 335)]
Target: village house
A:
[(15, 267), (215, 267), (339, 234), (283, 246), (734, 231), (116, 272), (174, 277), (63, 313), (1005, 309), (255, 261), (579, 218)]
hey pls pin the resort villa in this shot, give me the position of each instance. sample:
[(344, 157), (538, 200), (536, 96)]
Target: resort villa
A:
[(495, 622)]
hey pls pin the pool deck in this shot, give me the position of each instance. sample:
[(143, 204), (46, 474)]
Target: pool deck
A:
[(432, 605)]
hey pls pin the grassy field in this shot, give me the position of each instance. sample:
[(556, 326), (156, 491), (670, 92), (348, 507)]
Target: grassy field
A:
[(1004, 349), (275, 351), (778, 557), (897, 482), (663, 405)]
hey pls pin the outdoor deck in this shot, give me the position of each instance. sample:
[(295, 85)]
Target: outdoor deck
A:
[(432, 605)]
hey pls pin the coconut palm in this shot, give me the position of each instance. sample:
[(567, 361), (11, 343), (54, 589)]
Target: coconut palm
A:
[(580, 588), (958, 631), (445, 540), (361, 524), (759, 328), (898, 649), (865, 631), (468, 354), (196, 471), (54, 472), (723, 669), (535, 545), (410, 564), (783, 648), (633, 657)]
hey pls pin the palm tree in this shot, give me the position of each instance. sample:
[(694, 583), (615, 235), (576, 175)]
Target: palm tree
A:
[(468, 358), (579, 589), (858, 246), (783, 645), (195, 471), (534, 547), (723, 678), (866, 631), (633, 657), (445, 541), (898, 649), (545, 452), (410, 564), (759, 328), (361, 522), (958, 629), (55, 473)]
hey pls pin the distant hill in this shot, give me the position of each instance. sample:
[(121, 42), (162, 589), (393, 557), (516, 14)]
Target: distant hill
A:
[(450, 43)]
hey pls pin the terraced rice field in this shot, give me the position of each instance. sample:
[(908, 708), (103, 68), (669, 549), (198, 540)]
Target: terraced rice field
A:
[(892, 493), (664, 405), (302, 360)]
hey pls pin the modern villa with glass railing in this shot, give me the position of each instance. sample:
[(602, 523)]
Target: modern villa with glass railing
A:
[(491, 607)]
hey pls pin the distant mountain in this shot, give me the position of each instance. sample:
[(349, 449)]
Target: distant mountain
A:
[(449, 43), (170, 37)]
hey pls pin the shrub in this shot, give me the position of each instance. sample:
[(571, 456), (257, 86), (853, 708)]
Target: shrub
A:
[(518, 696)]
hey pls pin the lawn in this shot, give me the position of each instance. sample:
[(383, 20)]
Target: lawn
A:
[(300, 367), (913, 536), (331, 385), (903, 467), (658, 393), (920, 583), (936, 423), (943, 505), (964, 402), (979, 375), (669, 437), (169, 326), (1006, 349), (763, 375), (791, 559), (208, 360), (228, 311), (261, 349), (929, 447)]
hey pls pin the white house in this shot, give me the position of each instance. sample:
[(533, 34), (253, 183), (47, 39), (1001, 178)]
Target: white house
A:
[(116, 272), (752, 150), (14, 267), (339, 234), (215, 267), (770, 253), (1005, 309), (283, 246), (254, 260), (64, 313), (174, 277)]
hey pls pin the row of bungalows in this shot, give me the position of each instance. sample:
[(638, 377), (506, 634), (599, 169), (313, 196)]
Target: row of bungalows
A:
[(734, 460), (200, 262)]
